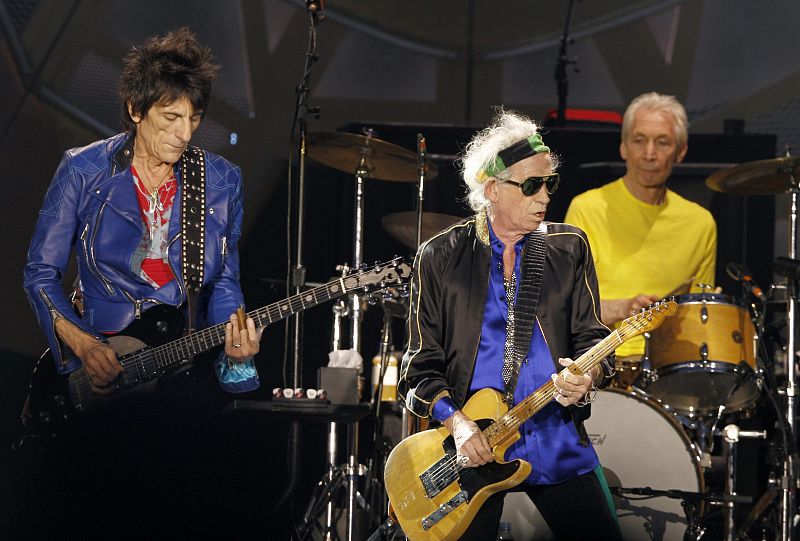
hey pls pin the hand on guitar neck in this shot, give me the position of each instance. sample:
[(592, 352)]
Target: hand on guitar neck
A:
[(99, 360), (241, 337), (572, 388), (472, 448), (102, 366)]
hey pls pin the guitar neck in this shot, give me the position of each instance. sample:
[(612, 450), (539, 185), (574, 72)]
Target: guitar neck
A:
[(508, 425), (158, 358)]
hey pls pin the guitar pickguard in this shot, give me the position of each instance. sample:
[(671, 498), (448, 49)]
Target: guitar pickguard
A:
[(444, 472)]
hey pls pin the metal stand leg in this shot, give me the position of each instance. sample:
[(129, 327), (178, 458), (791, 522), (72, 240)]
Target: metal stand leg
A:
[(788, 484), (731, 435), (330, 526)]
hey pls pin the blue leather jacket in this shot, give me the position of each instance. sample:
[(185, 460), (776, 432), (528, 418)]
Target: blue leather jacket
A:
[(91, 206)]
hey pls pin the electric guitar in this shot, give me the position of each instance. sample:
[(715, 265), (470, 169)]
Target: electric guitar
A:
[(147, 349), (435, 499)]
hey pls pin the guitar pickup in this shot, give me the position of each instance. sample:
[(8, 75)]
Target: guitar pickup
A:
[(443, 510), (439, 476)]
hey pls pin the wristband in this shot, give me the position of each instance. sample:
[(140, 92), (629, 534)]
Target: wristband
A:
[(443, 409)]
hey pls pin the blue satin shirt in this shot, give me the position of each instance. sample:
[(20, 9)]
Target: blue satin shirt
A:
[(549, 439)]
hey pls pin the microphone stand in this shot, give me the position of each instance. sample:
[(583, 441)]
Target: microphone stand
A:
[(296, 273), (562, 83)]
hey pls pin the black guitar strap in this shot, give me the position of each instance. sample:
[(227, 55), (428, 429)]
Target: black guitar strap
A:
[(193, 212), (523, 312)]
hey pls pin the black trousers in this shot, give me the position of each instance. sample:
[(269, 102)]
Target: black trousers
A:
[(576, 509)]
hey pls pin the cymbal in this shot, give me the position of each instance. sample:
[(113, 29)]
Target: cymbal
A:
[(761, 177), (385, 161), (402, 226)]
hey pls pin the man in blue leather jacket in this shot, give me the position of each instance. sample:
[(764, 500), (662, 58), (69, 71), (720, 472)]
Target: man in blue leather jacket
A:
[(117, 202), (125, 205)]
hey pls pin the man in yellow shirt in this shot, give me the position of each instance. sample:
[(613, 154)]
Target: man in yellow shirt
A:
[(647, 241)]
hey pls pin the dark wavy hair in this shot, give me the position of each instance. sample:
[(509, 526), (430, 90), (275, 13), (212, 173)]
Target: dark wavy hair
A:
[(165, 69)]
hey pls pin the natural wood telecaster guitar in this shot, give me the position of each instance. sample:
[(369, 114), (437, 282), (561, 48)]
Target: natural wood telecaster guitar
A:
[(435, 499)]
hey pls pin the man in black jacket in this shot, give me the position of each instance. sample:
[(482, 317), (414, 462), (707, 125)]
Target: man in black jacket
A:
[(475, 285)]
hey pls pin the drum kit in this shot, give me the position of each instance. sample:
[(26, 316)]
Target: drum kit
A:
[(666, 430)]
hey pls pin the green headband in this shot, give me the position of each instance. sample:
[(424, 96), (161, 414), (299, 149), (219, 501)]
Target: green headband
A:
[(515, 153)]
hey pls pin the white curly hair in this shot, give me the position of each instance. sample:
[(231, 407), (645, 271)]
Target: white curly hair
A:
[(658, 102), (506, 128)]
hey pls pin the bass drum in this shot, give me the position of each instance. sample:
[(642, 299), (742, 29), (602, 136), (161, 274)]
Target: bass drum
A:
[(639, 445)]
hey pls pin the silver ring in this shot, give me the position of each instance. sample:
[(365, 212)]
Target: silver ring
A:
[(462, 460), (237, 345)]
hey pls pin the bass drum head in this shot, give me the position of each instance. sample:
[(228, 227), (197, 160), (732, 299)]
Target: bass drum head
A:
[(639, 445)]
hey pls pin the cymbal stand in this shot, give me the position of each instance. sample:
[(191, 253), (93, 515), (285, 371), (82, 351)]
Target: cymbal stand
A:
[(374, 491), (361, 173), (788, 481), (422, 169), (340, 311), (732, 435)]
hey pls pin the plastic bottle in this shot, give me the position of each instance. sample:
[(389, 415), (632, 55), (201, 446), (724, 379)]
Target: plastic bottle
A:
[(504, 532)]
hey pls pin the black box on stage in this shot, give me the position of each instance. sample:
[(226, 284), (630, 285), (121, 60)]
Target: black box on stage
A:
[(341, 384)]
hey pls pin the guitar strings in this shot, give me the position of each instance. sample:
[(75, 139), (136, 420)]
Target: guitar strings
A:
[(508, 423)]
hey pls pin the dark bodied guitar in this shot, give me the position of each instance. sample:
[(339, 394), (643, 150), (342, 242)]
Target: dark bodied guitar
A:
[(147, 348), (435, 499)]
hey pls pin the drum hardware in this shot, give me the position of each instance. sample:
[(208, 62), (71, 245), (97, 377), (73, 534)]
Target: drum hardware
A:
[(690, 501), (695, 357), (640, 443), (776, 176), (397, 226), (368, 158), (383, 160), (732, 434), (763, 503)]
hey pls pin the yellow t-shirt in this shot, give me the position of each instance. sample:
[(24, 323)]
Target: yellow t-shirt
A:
[(640, 248)]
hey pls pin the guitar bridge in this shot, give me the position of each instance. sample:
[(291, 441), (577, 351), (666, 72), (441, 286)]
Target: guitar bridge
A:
[(443, 510)]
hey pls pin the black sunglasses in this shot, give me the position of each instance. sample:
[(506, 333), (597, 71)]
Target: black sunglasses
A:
[(531, 185)]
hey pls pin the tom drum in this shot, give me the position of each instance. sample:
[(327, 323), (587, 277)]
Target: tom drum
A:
[(704, 356)]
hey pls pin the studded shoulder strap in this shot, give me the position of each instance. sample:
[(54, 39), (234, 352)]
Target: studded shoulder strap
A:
[(193, 211)]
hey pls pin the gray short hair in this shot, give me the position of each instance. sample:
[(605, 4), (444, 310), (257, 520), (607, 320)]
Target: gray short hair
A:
[(506, 128), (664, 104)]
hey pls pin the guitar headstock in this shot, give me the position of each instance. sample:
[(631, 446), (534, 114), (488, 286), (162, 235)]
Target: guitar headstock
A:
[(649, 319), (394, 272)]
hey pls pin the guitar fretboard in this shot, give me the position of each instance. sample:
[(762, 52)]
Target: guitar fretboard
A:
[(508, 425), (146, 364)]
